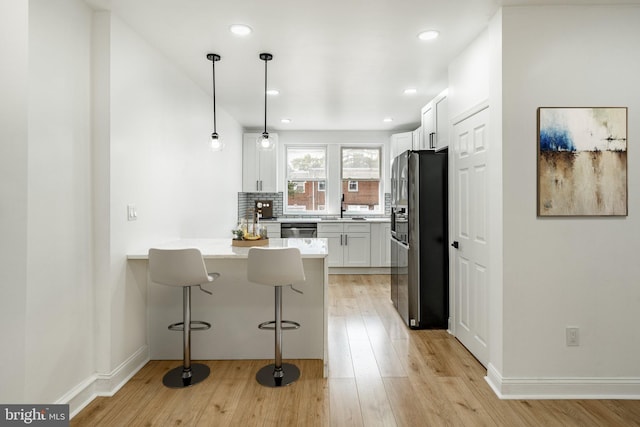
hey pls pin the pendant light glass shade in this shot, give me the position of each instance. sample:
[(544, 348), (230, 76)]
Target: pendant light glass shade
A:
[(216, 143), (265, 141)]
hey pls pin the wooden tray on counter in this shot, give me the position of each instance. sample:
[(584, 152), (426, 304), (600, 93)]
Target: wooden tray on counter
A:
[(248, 243)]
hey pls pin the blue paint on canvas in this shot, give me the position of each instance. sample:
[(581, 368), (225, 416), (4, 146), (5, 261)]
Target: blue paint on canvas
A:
[(556, 139)]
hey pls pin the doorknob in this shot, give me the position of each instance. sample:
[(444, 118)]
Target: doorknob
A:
[(455, 244)]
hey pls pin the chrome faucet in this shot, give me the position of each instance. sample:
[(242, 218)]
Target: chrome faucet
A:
[(342, 209)]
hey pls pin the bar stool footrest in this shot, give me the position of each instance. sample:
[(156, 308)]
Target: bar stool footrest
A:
[(286, 325), (196, 325)]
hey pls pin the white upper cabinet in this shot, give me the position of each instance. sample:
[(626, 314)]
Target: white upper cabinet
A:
[(401, 142), (417, 138), (259, 168), (435, 124), (428, 127), (441, 110)]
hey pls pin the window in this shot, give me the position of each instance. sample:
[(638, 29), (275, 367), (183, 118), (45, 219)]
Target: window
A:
[(306, 177), (360, 170)]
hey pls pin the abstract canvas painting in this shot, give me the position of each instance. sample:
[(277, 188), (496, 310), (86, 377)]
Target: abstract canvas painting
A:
[(582, 161)]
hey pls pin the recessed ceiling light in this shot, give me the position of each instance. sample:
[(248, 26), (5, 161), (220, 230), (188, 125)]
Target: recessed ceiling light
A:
[(387, 119), (410, 91), (273, 92), (428, 35), (240, 29), (285, 120)]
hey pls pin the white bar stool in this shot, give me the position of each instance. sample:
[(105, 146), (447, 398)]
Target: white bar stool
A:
[(183, 268), (276, 267)]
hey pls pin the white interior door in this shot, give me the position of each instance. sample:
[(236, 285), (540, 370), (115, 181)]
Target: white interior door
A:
[(470, 231)]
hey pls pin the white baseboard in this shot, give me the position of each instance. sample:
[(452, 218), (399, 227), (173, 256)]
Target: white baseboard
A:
[(562, 388), (104, 384)]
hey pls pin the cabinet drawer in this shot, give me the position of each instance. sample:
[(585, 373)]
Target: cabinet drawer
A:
[(273, 229), (329, 227), (357, 228)]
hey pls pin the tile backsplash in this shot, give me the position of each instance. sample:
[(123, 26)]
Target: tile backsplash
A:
[(247, 200)]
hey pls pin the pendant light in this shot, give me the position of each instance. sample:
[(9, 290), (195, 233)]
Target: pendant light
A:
[(216, 141), (265, 141)]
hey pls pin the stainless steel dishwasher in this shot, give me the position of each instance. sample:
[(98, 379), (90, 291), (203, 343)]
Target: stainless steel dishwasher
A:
[(298, 229)]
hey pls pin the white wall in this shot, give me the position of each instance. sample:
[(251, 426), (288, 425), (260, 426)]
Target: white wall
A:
[(59, 319), (469, 77), (14, 36), (160, 122), (92, 119), (550, 273), (562, 272)]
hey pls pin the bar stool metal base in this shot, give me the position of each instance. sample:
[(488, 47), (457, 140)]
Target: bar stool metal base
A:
[(178, 378), (269, 377)]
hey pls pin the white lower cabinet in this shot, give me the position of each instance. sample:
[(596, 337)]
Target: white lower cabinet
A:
[(381, 244), (349, 244), (273, 229)]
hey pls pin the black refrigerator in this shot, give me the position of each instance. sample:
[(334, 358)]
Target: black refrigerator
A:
[(419, 239)]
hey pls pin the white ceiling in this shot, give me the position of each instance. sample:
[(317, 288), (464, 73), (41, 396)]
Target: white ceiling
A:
[(338, 64)]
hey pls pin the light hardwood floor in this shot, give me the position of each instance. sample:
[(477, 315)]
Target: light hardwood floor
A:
[(381, 374)]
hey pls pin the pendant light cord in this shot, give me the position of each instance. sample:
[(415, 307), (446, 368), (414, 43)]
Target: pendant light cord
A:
[(265, 95), (213, 65)]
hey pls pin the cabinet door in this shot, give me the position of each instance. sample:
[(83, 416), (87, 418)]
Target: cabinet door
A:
[(401, 142), (273, 229), (428, 127), (267, 161), (335, 248), (386, 244), (259, 168), (357, 250), (417, 139), (442, 123), (376, 245), (381, 244), (249, 163)]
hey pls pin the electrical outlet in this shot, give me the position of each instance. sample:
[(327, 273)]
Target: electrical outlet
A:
[(573, 336)]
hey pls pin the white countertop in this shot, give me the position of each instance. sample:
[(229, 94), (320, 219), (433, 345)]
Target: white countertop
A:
[(320, 220), (221, 248)]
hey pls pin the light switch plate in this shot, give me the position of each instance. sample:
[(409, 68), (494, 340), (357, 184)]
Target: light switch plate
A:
[(132, 214)]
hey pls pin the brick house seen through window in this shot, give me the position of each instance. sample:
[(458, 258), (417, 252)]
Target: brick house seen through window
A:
[(360, 170), (306, 179)]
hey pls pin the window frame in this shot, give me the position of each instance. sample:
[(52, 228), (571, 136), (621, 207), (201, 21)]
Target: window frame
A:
[(380, 178), (286, 208)]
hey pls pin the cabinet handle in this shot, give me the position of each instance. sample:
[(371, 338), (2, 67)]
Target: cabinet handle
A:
[(346, 240), (432, 140), (341, 240), (257, 185)]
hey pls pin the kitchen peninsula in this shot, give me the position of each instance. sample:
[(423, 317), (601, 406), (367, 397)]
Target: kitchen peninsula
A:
[(237, 306)]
